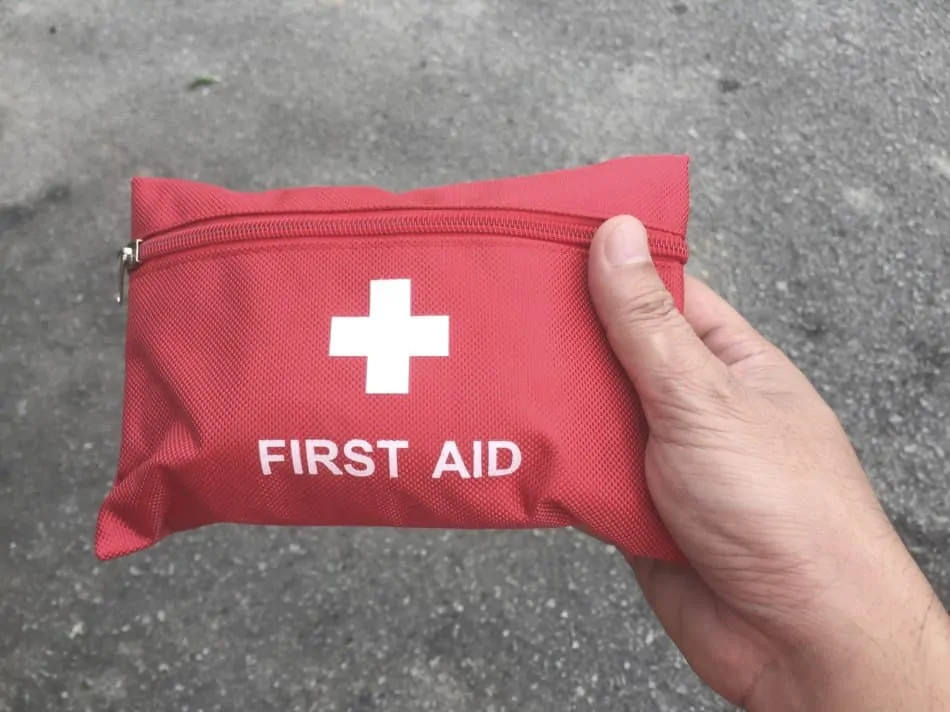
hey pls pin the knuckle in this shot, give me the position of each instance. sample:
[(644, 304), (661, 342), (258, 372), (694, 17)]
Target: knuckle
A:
[(708, 422), (652, 303), (690, 390), (650, 307), (695, 395)]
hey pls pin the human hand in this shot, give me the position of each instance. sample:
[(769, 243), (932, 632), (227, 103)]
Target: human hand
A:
[(799, 593)]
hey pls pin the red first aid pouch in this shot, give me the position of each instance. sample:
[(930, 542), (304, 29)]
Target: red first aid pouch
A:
[(347, 356)]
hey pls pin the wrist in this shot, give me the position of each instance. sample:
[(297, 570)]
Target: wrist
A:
[(895, 660)]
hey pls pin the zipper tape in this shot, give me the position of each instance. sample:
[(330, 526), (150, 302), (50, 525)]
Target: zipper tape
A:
[(551, 228)]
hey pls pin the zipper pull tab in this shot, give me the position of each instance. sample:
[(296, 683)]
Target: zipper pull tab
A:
[(128, 259)]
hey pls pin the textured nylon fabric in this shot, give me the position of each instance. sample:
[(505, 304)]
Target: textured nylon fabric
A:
[(654, 187), (228, 345)]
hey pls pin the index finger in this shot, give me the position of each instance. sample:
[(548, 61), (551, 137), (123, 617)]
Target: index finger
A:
[(724, 331)]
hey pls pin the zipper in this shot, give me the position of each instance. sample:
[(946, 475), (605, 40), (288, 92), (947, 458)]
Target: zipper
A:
[(549, 228), (128, 260)]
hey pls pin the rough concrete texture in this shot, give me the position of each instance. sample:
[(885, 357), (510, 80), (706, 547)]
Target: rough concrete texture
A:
[(820, 139)]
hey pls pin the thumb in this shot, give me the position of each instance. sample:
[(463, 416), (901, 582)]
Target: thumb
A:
[(664, 358)]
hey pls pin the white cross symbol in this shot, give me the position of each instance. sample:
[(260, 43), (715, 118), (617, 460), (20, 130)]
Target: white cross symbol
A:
[(390, 336)]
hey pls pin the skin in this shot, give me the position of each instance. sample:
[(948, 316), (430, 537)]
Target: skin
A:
[(799, 594)]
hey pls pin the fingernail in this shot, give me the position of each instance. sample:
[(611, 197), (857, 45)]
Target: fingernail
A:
[(626, 243)]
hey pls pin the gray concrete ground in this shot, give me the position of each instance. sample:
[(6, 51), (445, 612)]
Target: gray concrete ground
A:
[(821, 144)]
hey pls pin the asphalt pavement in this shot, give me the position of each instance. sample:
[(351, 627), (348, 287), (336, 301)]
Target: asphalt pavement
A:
[(820, 141)]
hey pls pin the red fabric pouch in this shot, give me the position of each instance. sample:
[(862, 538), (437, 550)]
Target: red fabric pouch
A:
[(355, 357)]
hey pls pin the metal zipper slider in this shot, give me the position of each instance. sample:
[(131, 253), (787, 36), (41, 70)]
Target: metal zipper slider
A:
[(128, 259)]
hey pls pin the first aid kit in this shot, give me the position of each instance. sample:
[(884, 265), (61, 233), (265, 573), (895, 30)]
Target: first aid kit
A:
[(350, 356)]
